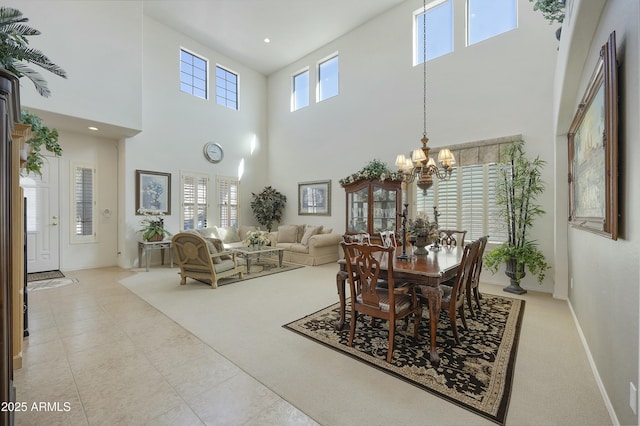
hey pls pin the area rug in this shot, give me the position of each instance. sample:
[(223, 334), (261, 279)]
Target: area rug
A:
[(260, 269), (48, 284), (46, 275), (477, 375)]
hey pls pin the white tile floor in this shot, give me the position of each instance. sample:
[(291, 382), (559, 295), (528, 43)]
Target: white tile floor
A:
[(99, 355)]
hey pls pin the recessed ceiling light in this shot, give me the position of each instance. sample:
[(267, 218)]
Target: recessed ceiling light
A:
[(95, 129), (267, 40)]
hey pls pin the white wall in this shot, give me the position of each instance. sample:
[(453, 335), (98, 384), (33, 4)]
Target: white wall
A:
[(176, 126), (99, 45), (605, 294), (499, 87)]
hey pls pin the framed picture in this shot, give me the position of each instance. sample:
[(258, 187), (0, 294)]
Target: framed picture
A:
[(314, 198), (153, 191), (593, 151)]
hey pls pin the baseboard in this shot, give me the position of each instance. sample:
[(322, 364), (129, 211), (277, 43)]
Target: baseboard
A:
[(594, 369)]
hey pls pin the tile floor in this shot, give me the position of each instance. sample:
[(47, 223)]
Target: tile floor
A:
[(97, 354)]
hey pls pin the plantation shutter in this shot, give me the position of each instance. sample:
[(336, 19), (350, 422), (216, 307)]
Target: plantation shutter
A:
[(228, 201), (194, 201), (447, 202), (83, 194), (496, 228), (472, 201)]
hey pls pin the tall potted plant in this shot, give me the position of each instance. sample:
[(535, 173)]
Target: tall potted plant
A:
[(519, 185), (267, 206)]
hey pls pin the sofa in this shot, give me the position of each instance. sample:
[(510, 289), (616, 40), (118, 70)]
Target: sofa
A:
[(303, 244)]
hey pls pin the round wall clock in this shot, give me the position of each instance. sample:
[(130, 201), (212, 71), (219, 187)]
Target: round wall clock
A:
[(213, 152)]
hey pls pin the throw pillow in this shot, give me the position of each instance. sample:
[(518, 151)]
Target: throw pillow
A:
[(229, 234), (287, 234), (308, 233), (220, 248), (213, 249), (208, 233)]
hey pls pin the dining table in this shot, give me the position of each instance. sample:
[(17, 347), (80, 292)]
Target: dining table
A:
[(426, 271)]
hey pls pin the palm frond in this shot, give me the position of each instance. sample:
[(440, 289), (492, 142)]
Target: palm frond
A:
[(9, 15), (38, 81)]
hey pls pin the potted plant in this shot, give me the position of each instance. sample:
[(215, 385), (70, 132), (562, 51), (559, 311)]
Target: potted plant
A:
[(42, 137), (267, 206), (153, 225), (552, 11), (519, 184)]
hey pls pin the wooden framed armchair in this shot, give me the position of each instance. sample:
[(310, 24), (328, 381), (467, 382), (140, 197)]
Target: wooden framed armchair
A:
[(200, 259)]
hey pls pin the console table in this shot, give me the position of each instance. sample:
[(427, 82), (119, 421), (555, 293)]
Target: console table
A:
[(145, 248)]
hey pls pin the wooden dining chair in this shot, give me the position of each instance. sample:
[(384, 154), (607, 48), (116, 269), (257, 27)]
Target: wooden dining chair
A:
[(472, 289), (391, 303), (452, 237), (388, 238), (453, 297)]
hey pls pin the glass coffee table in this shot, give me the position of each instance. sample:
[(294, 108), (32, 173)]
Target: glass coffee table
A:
[(255, 252)]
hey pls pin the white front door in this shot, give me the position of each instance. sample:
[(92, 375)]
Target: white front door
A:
[(43, 218)]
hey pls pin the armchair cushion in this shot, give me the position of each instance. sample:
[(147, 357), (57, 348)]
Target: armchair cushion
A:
[(308, 233)]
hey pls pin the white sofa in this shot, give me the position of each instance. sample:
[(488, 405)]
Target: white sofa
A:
[(302, 244)]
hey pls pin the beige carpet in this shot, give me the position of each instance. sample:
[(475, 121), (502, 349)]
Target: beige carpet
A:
[(552, 385)]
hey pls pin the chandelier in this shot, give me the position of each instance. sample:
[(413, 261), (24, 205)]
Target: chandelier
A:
[(420, 165)]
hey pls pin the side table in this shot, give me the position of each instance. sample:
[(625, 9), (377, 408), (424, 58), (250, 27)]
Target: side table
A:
[(145, 247)]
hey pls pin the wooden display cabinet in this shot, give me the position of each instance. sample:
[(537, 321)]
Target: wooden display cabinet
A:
[(373, 206)]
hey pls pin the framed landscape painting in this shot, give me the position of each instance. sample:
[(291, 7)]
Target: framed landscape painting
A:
[(153, 192), (593, 151), (314, 198)]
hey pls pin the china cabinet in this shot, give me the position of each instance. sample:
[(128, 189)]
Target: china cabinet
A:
[(373, 206)]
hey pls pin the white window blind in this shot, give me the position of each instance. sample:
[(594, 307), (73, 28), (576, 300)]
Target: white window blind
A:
[(195, 200), (472, 206), (228, 200), (84, 204)]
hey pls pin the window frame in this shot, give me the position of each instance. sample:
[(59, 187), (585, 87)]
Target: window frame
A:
[(319, 96), (74, 237), (225, 97), (417, 15), (197, 177), (294, 105), (206, 72)]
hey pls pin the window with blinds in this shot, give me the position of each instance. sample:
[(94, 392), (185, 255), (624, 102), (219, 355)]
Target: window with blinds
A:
[(83, 229), (467, 201), (228, 200), (195, 200)]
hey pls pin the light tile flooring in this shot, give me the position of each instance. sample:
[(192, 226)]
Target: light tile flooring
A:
[(97, 354)]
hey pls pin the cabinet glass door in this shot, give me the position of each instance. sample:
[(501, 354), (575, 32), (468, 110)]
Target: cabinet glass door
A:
[(384, 210), (358, 205)]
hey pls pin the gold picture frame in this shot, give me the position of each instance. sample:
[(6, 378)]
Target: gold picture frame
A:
[(314, 198), (593, 150)]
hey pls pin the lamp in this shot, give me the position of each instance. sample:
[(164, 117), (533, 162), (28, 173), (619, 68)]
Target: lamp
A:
[(420, 165)]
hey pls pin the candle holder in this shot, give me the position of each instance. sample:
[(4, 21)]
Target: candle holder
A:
[(404, 215)]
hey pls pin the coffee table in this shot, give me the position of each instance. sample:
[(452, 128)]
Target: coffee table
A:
[(250, 253)]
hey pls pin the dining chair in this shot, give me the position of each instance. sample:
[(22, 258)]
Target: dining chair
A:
[(391, 303), (453, 297), (388, 238), (472, 289), (451, 237)]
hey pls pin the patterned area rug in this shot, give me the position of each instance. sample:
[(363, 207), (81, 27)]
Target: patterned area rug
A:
[(476, 375), (46, 275), (47, 284)]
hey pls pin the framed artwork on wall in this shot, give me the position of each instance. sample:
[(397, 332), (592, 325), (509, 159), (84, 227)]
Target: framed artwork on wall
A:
[(153, 192), (314, 198), (593, 150)]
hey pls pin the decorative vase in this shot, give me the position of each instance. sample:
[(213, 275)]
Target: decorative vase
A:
[(421, 243), (513, 270)]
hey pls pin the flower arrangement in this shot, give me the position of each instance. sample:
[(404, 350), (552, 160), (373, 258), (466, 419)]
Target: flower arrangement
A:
[(376, 169), (421, 227), (257, 238), (153, 225)]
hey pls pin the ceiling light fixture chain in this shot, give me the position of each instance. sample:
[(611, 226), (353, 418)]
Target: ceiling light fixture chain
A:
[(419, 165)]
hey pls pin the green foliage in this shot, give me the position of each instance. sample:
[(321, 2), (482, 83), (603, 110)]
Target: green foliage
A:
[(15, 52), (376, 169), (519, 185), (267, 206), (552, 10), (43, 137), (152, 225)]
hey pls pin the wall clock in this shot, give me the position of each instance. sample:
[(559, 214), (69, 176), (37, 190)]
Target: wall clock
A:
[(213, 152)]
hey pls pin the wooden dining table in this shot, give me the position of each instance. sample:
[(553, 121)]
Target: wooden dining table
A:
[(426, 271)]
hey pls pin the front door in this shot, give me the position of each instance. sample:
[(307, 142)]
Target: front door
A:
[(43, 218)]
